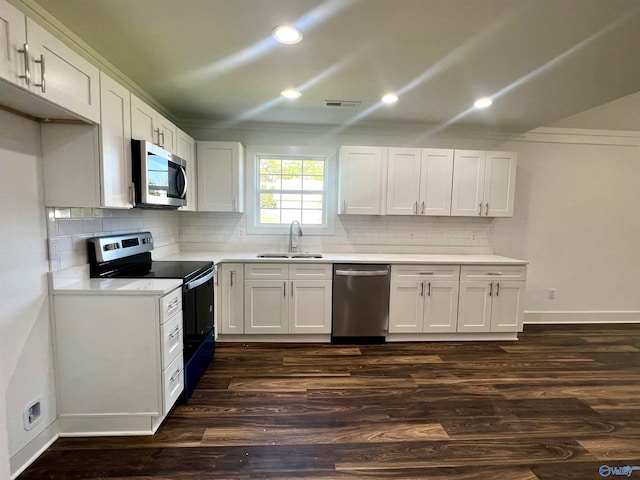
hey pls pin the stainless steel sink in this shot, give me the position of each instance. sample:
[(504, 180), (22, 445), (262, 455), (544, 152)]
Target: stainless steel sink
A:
[(288, 255)]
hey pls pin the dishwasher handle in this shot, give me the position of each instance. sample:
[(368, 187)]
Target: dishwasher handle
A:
[(363, 273)]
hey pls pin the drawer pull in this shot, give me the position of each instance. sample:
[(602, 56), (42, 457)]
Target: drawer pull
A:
[(426, 273), (174, 332), (494, 273), (175, 376), (173, 304)]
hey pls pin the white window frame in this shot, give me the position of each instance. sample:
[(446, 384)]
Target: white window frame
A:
[(254, 152)]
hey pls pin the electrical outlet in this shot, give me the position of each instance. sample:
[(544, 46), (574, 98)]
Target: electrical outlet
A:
[(54, 250), (32, 414), (551, 294)]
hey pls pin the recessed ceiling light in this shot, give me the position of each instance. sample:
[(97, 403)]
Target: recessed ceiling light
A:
[(291, 93), (483, 102), (389, 98), (287, 34)]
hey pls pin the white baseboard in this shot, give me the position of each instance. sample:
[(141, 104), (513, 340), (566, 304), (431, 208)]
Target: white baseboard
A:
[(32, 450), (541, 317)]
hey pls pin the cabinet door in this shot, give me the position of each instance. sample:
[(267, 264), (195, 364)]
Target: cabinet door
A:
[(186, 149), (474, 307), (441, 306), (62, 76), (168, 133), (265, 306), (508, 306), (406, 307), (362, 178), (143, 121), (231, 280), (500, 183), (115, 142), (436, 174), (310, 306), (467, 197), (220, 177), (13, 36), (403, 181)]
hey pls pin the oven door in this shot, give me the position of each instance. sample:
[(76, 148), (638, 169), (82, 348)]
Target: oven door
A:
[(197, 305)]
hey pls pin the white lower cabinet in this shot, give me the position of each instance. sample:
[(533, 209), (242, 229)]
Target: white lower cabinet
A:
[(119, 361), (287, 298), (491, 299), (231, 298), (424, 298)]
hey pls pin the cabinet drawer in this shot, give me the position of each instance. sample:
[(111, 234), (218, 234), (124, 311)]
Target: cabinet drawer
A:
[(266, 271), (498, 272), (170, 304), (312, 271), (172, 338), (172, 383), (425, 272)]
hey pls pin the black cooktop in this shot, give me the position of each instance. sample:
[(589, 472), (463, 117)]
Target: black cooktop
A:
[(170, 269)]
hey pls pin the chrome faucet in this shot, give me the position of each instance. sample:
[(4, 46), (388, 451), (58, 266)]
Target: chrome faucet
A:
[(292, 247)]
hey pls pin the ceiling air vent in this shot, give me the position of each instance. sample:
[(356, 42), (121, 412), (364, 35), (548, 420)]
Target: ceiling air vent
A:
[(342, 103)]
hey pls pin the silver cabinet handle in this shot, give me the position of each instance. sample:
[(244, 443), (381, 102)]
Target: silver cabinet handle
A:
[(162, 139), (486, 209), (422, 289), (480, 212), (231, 273), (497, 289), (494, 273), (415, 208), (27, 71), (132, 196), (422, 208), (425, 273), (175, 376), (292, 289), (42, 84), (284, 289), (174, 332), (157, 132), (491, 289), (429, 291)]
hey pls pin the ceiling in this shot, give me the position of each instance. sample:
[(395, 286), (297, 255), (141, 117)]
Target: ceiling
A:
[(540, 60)]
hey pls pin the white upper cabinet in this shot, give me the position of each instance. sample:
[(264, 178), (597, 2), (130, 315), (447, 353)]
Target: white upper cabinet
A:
[(500, 183), (147, 124), (362, 180), (115, 142), (13, 37), (419, 181), (186, 148), (62, 76), (483, 183), (220, 176)]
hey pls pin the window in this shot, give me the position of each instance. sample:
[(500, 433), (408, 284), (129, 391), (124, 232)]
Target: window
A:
[(287, 184)]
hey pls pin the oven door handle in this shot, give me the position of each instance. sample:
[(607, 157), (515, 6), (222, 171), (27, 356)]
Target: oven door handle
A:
[(196, 282)]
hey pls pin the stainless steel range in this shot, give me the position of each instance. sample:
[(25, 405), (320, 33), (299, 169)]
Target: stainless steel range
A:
[(128, 256)]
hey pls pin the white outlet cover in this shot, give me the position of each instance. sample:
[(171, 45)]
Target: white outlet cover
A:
[(28, 425)]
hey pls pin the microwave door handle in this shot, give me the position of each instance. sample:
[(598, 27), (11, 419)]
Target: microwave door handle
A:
[(186, 181)]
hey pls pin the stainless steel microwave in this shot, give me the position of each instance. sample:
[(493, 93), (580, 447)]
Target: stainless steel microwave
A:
[(160, 177)]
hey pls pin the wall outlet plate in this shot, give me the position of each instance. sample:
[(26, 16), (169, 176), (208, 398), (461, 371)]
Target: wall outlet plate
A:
[(32, 414)]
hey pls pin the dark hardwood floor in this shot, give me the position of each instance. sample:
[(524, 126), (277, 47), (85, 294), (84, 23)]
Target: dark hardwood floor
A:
[(558, 404)]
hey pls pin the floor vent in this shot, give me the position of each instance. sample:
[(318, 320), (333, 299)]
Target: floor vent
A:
[(342, 103)]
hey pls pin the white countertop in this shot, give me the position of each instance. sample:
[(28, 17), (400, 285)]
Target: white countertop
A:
[(396, 258), (76, 281)]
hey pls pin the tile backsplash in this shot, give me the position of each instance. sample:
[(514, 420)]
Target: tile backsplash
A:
[(69, 229)]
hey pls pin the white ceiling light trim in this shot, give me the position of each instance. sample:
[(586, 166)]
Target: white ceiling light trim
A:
[(482, 102), (287, 34), (291, 93), (389, 98)]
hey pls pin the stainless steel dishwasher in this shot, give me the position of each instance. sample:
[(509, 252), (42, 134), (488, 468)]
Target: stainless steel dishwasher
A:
[(360, 303)]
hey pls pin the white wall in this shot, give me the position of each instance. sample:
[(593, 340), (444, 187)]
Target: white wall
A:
[(576, 220), (25, 351)]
